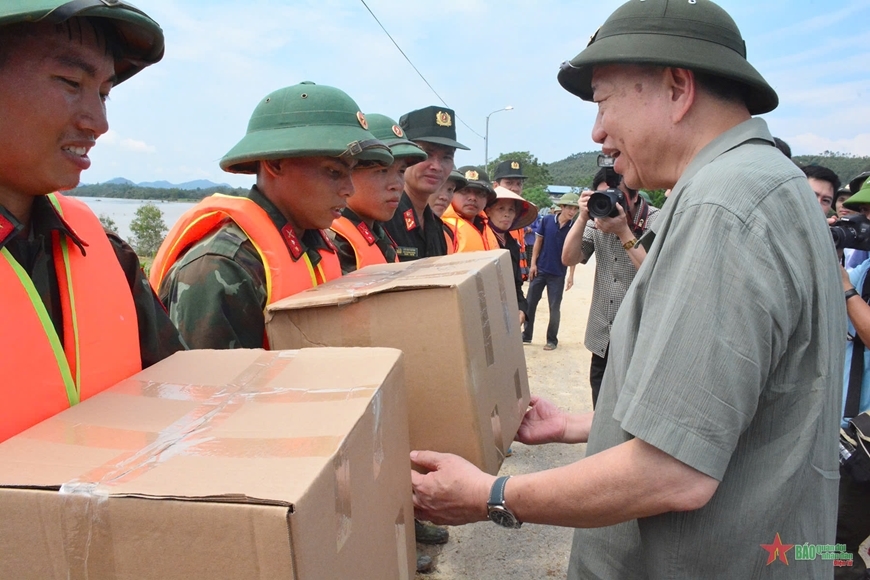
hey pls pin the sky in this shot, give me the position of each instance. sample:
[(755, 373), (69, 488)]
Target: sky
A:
[(176, 119)]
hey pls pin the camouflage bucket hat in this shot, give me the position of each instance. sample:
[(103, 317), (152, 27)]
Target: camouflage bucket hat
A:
[(387, 130), (139, 38), (305, 120), (696, 35), (527, 212)]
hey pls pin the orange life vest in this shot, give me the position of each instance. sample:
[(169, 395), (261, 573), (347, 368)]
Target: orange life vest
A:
[(100, 327), (288, 268), (466, 237), (362, 240), (520, 237)]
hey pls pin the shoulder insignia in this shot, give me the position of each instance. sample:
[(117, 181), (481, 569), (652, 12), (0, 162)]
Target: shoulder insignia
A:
[(410, 220), (442, 119), (366, 233), (291, 242)]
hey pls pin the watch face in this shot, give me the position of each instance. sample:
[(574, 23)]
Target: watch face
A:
[(503, 517)]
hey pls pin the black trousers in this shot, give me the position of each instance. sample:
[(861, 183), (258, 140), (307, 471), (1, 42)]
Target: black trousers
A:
[(596, 373), (853, 525)]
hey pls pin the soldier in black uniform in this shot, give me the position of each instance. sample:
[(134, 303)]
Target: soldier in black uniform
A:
[(416, 230)]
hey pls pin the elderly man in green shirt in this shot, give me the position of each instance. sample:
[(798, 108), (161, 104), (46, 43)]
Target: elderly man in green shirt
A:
[(713, 448)]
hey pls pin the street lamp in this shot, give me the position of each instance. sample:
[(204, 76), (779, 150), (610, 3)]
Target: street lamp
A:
[(486, 138)]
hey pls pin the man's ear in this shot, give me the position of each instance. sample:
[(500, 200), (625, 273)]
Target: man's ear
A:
[(272, 167), (682, 88)]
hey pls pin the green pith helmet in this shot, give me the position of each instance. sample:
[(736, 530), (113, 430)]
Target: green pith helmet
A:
[(140, 39), (478, 179), (571, 199), (696, 35), (858, 181), (862, 197), (458, 179), (305, 120), (388, 131)]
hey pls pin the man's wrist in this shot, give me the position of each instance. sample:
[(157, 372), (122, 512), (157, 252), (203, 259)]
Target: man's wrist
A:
[(850, 293)]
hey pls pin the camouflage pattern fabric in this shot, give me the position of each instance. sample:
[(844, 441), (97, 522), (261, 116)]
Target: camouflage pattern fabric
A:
[(216, 292)]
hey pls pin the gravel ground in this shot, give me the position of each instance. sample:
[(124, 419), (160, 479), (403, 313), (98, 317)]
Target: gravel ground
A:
[(485, 551)]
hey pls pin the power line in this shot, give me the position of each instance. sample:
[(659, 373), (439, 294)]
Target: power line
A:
[(415, 68)]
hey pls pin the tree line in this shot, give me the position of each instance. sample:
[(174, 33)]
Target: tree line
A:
[(131, 191)]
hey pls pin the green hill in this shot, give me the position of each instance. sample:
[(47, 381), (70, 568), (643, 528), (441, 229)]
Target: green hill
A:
[(131, 191), (577, 170)]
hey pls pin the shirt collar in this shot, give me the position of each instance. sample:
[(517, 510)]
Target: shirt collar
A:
[(44, 218)]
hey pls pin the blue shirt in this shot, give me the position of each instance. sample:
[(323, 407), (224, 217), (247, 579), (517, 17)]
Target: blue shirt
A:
[(857, 276), (550, 257)]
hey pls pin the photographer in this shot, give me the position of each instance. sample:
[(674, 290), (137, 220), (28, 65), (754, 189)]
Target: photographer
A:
[(618, 261), (824, 182), (853, 522)]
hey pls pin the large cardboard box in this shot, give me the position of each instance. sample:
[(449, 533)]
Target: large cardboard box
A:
[(455, 318), (240, 464)]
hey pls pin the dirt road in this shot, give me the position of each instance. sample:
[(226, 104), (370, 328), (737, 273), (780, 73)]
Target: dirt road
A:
[(484, 551)]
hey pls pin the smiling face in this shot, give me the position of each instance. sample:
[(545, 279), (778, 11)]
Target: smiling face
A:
[(632, 121), (469, 201), (377, 190), (309, 191), (54, 82)]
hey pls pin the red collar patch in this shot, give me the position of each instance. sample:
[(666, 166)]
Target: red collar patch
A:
[(366, 233), (327, 241), (410, 219), (6, 229), (292, 242)]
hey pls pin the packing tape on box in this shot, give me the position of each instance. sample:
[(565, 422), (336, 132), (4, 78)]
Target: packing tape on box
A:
[(509, 317), (84, 511), (484, 321)]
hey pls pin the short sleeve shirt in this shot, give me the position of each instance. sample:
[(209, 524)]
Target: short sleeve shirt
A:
[(614, 272), (727, 354), (550, 256)]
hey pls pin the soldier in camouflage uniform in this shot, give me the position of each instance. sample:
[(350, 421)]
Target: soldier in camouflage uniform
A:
[(377, 190), (216, 285)]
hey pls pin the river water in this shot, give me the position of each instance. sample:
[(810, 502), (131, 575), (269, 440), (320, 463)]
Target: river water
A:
[(123, 211)]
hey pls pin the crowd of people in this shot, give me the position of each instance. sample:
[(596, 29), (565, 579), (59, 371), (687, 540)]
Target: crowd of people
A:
[(717, 328)]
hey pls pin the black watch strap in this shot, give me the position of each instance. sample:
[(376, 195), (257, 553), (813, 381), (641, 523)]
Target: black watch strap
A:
[(851, 292), (496, 494)]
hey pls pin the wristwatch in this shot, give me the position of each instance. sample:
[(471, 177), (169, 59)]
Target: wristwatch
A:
[(851, 292), (498, 512), (629, 244)]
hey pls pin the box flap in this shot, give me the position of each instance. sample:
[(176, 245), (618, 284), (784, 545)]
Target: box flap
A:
[(205, 425), (440, 271)]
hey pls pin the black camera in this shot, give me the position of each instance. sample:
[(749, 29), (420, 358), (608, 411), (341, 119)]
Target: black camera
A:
[(852, 231), (603, 203)]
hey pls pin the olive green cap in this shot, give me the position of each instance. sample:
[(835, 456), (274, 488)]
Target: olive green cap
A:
[(477, 178), (387, 130), (860, 198), (458, 178), (696, 35), (305, 120), (140, 39), (569, 199), (433, 125)]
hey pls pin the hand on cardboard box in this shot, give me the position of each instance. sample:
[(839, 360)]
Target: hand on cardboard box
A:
[(454, 491), (544, 422)]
